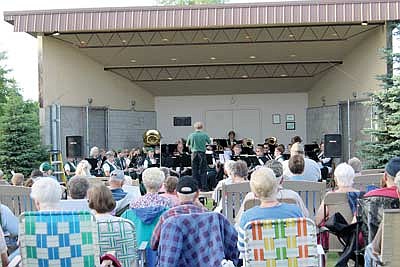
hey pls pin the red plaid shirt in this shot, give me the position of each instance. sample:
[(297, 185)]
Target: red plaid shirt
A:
[(183, 208)]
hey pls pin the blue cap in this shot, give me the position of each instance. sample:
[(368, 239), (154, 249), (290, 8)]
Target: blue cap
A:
[(393, 166)]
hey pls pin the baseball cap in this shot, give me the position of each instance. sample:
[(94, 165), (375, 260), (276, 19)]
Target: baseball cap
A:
[(393, 166), (45, 166), (118, 174), (187, 185)]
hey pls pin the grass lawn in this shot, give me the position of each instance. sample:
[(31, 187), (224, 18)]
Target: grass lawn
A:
[(332, 258)]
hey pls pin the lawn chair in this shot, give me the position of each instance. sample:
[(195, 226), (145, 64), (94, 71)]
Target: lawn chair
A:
[(17, 198), (361, 182), (59, 238), (232, 198), (283, 242), (390, 254), (312, 193), (119, 235)]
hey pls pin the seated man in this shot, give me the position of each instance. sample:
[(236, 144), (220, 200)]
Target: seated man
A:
[(296, 167), (391, 169), (77, 190), (188, 194), (122, 198), (311, 169), (283, 193), (264, 185), (373, 250)]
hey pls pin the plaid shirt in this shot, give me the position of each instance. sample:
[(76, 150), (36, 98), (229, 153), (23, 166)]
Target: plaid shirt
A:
[(183, 208), (199, 239)]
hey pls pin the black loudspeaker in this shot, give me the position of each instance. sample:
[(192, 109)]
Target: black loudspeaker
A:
[(333, 146), (74, 146)]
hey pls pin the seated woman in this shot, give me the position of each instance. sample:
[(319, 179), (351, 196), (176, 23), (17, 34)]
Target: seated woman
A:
[(265, 187), (83, 169), (344, 178), (101, 202)]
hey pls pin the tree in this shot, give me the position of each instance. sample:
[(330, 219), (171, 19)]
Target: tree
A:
[(7, 85), (385, 133), (20, 146), (189, 2)]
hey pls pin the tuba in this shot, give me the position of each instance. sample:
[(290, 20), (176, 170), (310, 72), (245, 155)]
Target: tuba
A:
[(247, 142), (272, 141), (151, 138)]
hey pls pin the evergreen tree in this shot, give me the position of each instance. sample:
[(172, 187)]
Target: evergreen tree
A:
[(385, 133), (20, 146), (189, 2)]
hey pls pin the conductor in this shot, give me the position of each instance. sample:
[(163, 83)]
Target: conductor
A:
[(197, 142)]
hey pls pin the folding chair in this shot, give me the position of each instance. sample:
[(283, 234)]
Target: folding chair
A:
[(119, 235), (283, 242), (59, 238)]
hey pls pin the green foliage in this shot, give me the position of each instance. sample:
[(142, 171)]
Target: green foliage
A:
[(20, 145), (189, 2), (385, 134)]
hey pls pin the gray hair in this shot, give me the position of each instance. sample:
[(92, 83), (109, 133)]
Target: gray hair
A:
[(356, 164), (47, 192), (83, 168), (239, 168), (296, 149), (186, 197), (93, 149), (153, 178), (78, 187), (344, 174), (228, 167)]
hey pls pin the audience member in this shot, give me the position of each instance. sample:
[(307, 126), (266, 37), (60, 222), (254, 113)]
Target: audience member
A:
[(296, 166), (153, 178), (228, 180), (374, 249), (170, 187), (122, 198), (264, 185), (17, 179), (78, 187), (344, 178), (356, 164), (188, 193), (3, 250), (46, 169), (46, 194), (283, 193), (101, 202), (311, 172), (129, 188), (391, 169), (3, 181), (29, 182)]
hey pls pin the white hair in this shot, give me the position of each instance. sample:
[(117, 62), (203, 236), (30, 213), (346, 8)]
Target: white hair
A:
[(228, 167), (344, 175), (263, 184), (92, 150), (153, 178), (47, 192), (186, 197), (198, 125), (83, 168), (356, 164)]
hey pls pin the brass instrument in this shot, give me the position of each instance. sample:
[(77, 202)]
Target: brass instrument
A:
[(248, 142), (272, 141), (151, 138)]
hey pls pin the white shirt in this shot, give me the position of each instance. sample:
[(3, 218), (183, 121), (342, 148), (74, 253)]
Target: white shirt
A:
[(311, 170), (106, 167)]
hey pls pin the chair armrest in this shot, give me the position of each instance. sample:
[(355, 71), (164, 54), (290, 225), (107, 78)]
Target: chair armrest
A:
[(321, 256), (15, 261), (143, 245)]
